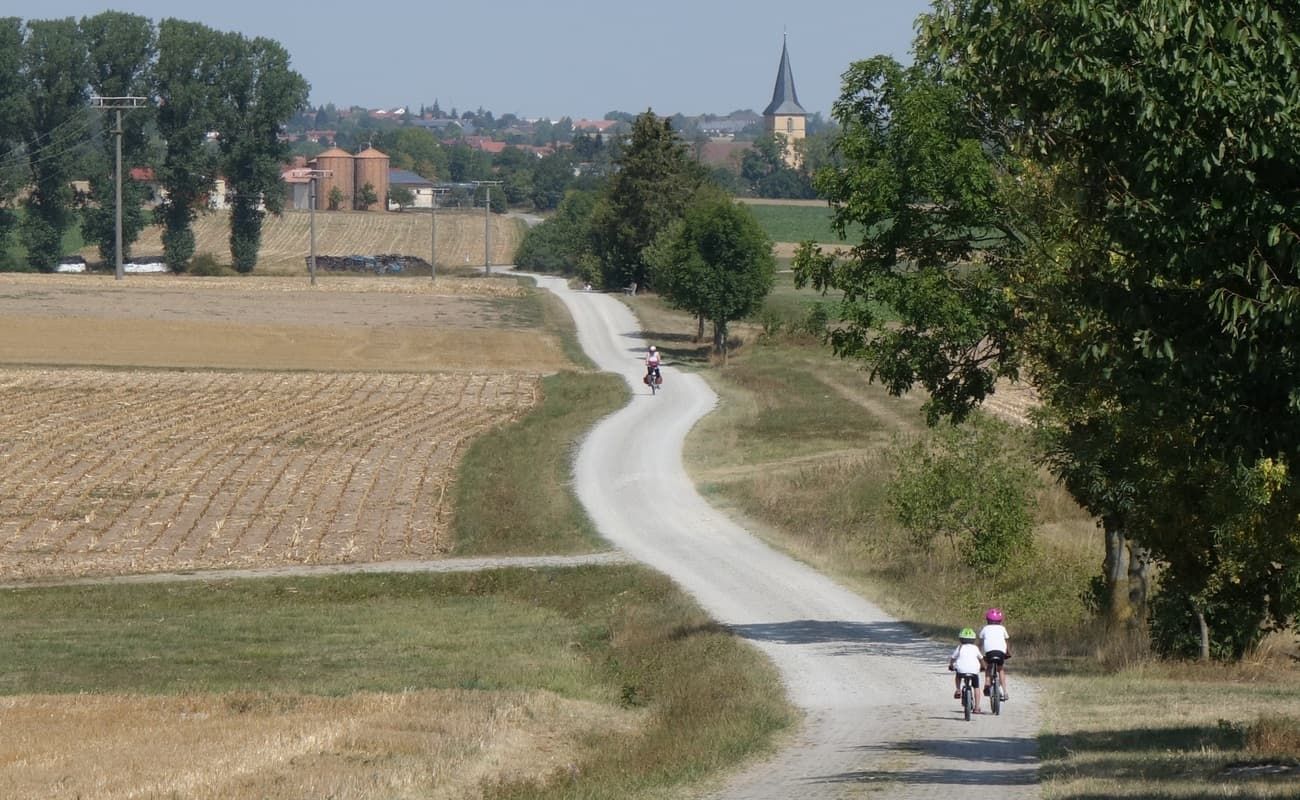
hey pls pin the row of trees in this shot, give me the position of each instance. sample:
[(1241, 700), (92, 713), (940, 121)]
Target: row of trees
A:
[(198, 81), (658, 221), (1101, 201)]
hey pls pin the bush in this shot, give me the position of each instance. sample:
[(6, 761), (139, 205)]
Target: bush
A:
[(961, 483), (206, 264)]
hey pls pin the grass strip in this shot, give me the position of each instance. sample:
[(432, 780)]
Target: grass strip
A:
[(616, 635), (1171, 731), (513, 491)]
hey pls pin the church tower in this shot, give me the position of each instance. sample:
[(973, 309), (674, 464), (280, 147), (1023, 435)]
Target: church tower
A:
[(784, 116)]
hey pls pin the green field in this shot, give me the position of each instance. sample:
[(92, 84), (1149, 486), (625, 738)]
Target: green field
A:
[(795, 223)]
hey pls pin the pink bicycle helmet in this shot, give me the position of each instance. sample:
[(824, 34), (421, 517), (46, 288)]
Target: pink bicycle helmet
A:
[(994, 615)]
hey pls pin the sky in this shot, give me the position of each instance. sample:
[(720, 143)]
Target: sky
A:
[(552, 58)]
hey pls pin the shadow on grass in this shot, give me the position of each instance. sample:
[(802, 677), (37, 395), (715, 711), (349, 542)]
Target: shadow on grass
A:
[(1172, 740), (687, 351)]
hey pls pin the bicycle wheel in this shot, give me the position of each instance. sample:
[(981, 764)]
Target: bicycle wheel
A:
[(995, 692), (967, 700)]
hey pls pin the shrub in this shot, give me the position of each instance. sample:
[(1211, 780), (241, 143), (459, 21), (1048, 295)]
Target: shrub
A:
[(961, 483)]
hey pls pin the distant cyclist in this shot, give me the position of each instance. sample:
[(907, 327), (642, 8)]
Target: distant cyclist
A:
[(996, 644), (652, 365), (966, 660)]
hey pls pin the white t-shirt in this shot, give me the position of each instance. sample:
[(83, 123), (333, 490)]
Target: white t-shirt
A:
[(994, 637), (966, 659)]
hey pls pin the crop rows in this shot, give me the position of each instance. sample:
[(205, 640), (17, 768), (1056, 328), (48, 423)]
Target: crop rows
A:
[(286, 238), (116, 472)]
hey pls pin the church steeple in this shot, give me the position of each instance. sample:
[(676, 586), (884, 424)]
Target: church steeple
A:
[(784, 116), (784, 99)]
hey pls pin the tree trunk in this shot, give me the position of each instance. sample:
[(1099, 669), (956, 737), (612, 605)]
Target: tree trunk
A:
[(699, 327), (720, 340), (1118, 611), (1139, 577), (1205, 635)]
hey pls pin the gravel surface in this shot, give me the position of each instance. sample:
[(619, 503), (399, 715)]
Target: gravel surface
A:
[(876, 697)]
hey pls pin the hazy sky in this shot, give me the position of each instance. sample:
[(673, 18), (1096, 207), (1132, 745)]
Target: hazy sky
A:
[(534, 58)]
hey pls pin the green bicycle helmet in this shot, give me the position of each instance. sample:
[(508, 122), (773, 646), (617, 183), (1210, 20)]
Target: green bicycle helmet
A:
[(967, 634)]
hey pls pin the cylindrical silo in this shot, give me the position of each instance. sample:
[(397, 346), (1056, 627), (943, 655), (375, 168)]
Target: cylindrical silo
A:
[(339, 162), (372, 168)]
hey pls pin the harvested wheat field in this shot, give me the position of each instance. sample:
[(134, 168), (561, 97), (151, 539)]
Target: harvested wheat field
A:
[(426, 744), (286, 238), (347, 458), (111, 472)]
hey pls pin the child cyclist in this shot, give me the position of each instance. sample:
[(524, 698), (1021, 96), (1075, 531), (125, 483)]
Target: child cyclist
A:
[(966, 660), (996, 644)]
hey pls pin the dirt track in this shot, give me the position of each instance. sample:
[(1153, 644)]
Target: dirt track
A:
[(879, 714)]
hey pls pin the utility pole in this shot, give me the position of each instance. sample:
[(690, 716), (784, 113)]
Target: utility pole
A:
[(487, 223), (118, 104), (433, 242), (313, 174)]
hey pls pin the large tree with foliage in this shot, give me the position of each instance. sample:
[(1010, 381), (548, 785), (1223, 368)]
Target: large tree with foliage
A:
[(417, 150), (57, 76), (715, 262), (1132, 174), (260, 93), (13, 110), (563, 242), (191, 59), (121, 48), (654, 181)]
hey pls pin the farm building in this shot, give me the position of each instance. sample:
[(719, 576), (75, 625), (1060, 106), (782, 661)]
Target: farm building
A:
[(421, 188), (346, 173)]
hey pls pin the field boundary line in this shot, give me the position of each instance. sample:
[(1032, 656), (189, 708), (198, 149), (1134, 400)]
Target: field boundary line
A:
[(475, 564)]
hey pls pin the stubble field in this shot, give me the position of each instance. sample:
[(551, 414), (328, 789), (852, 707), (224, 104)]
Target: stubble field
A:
[(246, 422), (286, 239)]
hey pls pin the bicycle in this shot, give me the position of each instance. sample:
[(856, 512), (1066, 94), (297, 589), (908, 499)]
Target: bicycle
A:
[(654, 380), (995, 684), (968, 682)]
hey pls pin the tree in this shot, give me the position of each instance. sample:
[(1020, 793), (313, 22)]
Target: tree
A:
[(763, 167), (415, 149), (335, 198), (401, 196), (190, 63), (715, 262), (121, 49), (562, 243), (259, 94), (365, 197), (962, 483), (13, 112), (654, 181), (551, 179), (1101, 202), (56, 69)]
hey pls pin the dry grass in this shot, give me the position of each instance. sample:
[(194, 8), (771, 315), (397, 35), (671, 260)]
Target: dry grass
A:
[(421, 744), (1177, 731), (286, 239)]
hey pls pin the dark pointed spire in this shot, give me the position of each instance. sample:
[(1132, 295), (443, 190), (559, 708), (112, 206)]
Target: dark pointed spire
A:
[(784, 99)]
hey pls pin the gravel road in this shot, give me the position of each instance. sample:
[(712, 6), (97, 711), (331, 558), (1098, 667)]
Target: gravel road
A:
[(879, 716)]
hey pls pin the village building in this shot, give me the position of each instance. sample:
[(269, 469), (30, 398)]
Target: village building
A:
[(784, 116)]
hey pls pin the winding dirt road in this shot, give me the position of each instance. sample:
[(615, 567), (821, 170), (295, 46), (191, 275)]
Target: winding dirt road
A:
[(876, 698)]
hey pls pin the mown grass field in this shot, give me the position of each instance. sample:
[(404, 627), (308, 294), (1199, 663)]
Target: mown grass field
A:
[(801, 448)]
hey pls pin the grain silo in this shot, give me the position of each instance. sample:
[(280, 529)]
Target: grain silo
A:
[(339, 162), (372, 168)]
